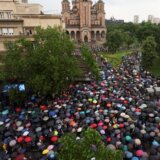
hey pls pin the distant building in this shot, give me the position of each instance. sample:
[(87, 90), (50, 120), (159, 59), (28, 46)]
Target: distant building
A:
[(18, 18), (156, 20), (112, 20), (136, 19), (85, 21), (150, 18)]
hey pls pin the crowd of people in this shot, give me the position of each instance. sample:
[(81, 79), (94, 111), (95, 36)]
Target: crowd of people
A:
[(117, 106)]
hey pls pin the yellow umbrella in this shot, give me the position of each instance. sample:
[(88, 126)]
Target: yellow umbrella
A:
[(55, 133), (45, 151)]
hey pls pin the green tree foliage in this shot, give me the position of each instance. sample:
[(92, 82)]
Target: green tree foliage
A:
[(90, 145), (90, 61), (115, 40), (128, 39), (148, 52), (134, 33), (46, 65)]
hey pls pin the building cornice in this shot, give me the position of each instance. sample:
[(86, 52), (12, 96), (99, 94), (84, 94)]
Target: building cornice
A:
[(11, 20), (41, 16)]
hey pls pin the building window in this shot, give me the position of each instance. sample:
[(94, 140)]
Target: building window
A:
[(8, 15), (7, 31), (10, 31), (1, 15), (4, 31), (5, 15)]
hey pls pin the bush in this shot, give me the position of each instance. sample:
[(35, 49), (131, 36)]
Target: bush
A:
[(90, 61), (89, 146)]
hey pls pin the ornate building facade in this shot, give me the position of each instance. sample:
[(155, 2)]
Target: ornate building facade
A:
[(85, 21), (18, 19)]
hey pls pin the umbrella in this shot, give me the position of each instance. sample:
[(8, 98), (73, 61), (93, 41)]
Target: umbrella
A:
[(25, 133), (20, 128), (79, 130), (54, 138), (105, 127), (43, 107), (137, 141), (122, 114), (128, 138), (100, 124), (72, 123), (20, 139), (52, 113), (55, 133), (46, 118), (139, 153), (18, 110), (102, 132), (50, 147), (94, 101), (155, 143), (28, 139), (5, 112), (151, 115), (20, 157), (111, 147), (1, 123), (38, 129), (51, 156), (128, 154), (45, 151), (94, 125), (109, 105), (12, 143)]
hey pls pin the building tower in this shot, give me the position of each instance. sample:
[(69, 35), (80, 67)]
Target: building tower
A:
[(101, 12), (24, 1), (65, 11), (136, 19), (85, 19), (150, 18), (85, 22)]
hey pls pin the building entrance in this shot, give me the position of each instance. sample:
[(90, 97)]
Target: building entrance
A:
[(86, 39)]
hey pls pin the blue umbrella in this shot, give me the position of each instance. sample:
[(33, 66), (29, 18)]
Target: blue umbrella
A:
[(82, 113), (52, 113), (5, 112)]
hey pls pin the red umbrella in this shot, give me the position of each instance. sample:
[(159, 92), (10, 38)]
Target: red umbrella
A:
[(43, 107), (105, 127), (108, 139), (20, 139), (125, 101), (20, 157), (28, 139), (94, 125), (54, 138), (109, 105), (18, 110), (42, 138), (139, 153), (121, 125), (138, 110)]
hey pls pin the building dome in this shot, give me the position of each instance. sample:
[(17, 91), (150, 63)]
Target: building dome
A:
[(100, 1)]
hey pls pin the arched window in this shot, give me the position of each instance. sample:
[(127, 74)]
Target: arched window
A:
[(1, 15), (100, 20)]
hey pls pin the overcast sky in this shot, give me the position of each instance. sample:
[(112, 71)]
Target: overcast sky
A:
[(120, 9)]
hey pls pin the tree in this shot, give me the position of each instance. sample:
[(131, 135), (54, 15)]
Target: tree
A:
[(90, 61), (128, 39), (148, 52), (88, 146), (115, 40), (46, 65)]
